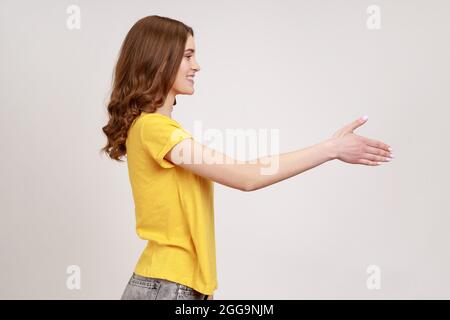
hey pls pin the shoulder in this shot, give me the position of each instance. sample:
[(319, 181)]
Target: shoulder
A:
[(158, 125)]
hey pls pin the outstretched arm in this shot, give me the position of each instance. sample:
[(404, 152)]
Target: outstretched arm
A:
[(253, 175), (248, 175)]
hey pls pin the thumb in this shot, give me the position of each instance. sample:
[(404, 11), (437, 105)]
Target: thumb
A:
[(355, 124)]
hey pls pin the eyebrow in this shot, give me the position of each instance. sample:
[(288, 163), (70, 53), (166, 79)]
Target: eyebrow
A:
[(191, 50)]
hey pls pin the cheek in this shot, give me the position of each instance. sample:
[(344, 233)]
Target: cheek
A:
[(184, 68), (181, 81), (182, 72)]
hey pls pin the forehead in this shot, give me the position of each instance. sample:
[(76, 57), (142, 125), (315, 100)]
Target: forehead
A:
[(190, 44)]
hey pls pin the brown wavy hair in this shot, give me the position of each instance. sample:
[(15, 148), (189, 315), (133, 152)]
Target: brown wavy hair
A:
[(145, 72)]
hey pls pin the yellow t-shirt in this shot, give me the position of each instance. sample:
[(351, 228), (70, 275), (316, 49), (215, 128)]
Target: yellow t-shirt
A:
[(174, 207)]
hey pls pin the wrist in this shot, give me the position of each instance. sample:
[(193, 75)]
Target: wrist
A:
[(330, 148)]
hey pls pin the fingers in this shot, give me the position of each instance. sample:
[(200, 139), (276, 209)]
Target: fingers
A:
[(375, 158), (379, 152), (368, 162), (376, 144)]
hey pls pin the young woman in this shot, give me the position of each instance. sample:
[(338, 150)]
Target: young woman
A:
[(174, 199)]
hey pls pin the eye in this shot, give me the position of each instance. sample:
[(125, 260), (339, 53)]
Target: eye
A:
[(188, 57)]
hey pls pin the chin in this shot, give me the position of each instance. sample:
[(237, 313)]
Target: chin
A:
[(189, 91), (186, 90)]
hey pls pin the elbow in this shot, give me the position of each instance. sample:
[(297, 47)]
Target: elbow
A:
[(248, 186)]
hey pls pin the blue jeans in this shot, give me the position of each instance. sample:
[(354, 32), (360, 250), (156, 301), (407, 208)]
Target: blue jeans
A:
[(145, 288)]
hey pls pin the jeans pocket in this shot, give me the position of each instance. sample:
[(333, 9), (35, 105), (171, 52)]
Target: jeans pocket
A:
[(140, 288), (187, 293), (144, 288)]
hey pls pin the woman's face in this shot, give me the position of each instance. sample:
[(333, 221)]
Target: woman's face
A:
[(184, 83)]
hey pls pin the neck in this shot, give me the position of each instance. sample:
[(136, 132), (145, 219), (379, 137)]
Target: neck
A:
[(167, 108)]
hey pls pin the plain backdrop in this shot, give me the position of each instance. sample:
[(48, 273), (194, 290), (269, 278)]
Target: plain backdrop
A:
[(306, 68)]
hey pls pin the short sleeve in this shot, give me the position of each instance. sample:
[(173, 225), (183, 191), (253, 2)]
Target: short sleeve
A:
[(159, 134)]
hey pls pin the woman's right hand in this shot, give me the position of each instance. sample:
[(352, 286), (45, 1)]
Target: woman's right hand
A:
[(355, 149)]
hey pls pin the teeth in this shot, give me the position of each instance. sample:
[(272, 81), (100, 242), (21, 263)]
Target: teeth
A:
[(190, 77)]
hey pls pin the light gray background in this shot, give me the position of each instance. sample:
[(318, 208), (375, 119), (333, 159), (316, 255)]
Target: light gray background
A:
[(304, 67)]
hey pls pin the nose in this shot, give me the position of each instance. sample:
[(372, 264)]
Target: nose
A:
[(196, 66)]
